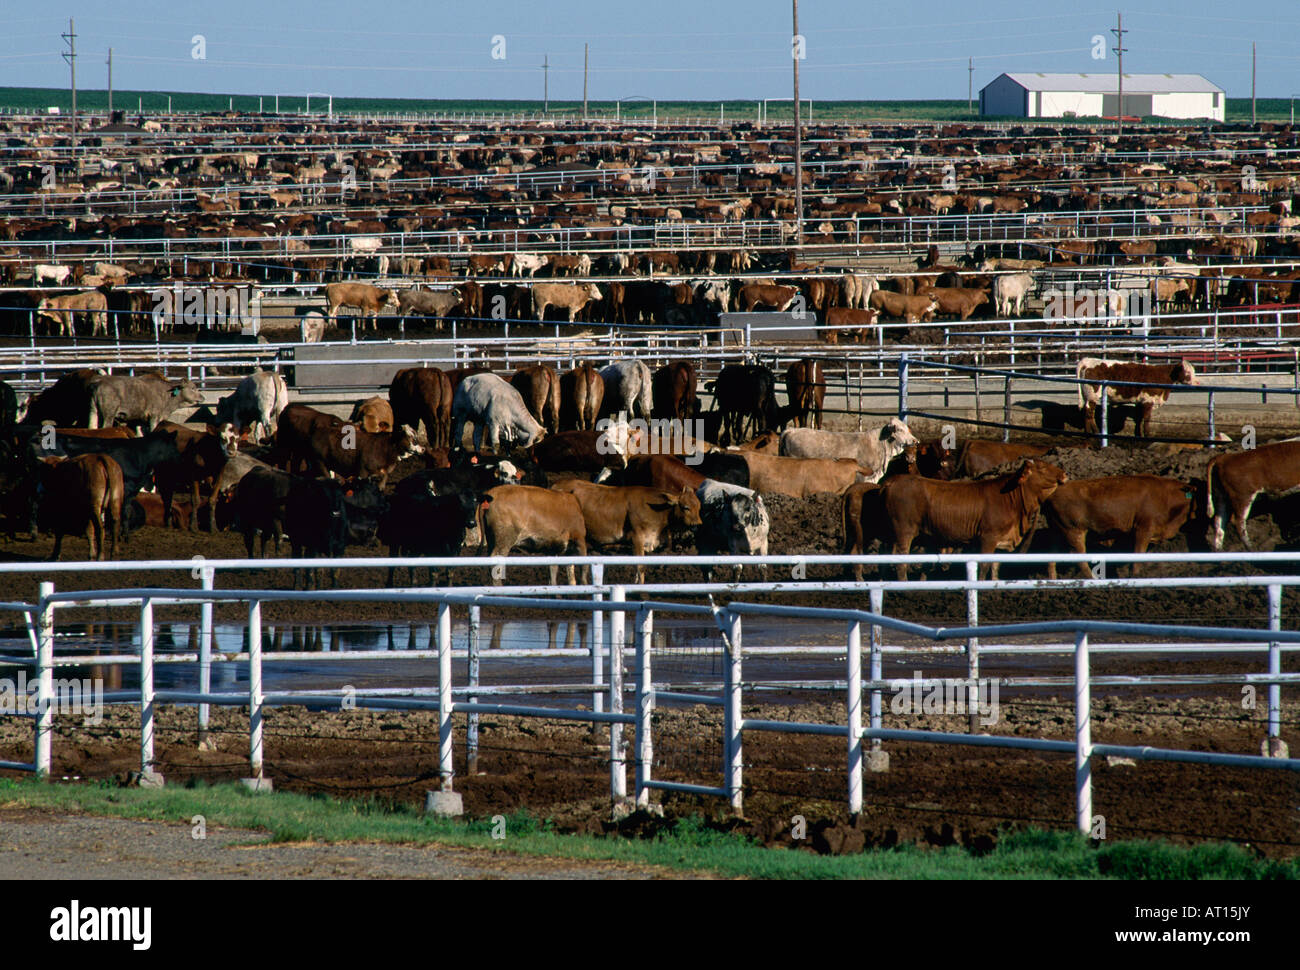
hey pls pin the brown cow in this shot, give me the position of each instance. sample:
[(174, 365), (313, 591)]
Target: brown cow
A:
[(855, 323), (202, 458), (526, 517), (364, 297), (955, 300), (801, 477), (772, 297), (539, 386), (996, 513), (1235, 480), (423, 394), (374, 414), (326, 443), (63, 310), (80, 493), (1147, 397), (863, 511), (1141, 508), (581, 392), (977, 457), (642, 515), (805, 385), (911, 309), (662, 471), (673, 391)]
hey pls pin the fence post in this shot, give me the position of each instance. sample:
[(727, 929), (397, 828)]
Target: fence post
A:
[(732, 745), (853, 703), (255, 690), (445, 767), (471, 733), (972, 647), (877, 671), (1104, 426), (1006, 411), (44, 740), (208, 575), (597, 642), (617, 761), (644, 705), (146, 692), (1082, 736), (1209, 407), (902, 388), (1274, 669)]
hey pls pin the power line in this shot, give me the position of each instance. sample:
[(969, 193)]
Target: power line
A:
[(71, 57)]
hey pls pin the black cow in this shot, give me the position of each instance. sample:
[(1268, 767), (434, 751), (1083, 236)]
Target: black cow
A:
[(366, 507), (745, 395), (138, 457), (723, 467), (419, 523), (259, 502), (316, 521)]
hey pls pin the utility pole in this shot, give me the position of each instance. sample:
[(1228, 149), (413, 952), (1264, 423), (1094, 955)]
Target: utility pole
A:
[(71, 57), (110, 84), (1252, 82), (546, 83), (798, 138), (970, 85), (1119, 49), (584, 82)]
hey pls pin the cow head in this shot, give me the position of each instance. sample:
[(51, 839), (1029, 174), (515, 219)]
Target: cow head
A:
[(897, 436), (407, 442), (185, 393), (1041, 478), (593, 291), (1184, 373)]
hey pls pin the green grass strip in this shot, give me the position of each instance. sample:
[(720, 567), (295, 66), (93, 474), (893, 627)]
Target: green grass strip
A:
[(689, 845)]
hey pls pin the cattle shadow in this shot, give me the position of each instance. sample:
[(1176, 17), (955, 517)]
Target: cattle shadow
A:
[(1065, 418)]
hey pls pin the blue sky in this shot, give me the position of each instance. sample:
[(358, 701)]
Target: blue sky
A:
[(667, 49)]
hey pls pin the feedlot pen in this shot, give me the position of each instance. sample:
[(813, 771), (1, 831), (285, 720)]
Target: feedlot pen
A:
[(629, 666)]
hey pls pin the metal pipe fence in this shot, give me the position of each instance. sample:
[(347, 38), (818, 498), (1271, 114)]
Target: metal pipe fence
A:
[(735, 681)]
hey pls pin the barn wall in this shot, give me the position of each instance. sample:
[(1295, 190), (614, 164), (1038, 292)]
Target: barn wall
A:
[(1003, 96), (1189, 105), (1081, 103)]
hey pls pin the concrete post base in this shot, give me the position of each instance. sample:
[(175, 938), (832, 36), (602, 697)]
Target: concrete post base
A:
[(877, 761), (261, 785), (447, 804)]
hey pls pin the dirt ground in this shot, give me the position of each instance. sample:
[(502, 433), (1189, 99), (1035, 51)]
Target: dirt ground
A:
[(930, 794)]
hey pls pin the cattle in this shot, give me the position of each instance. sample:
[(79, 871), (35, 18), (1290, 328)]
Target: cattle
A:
[(428, 303), (80, 494), (977, 457), (423, 394), (326, 444), (147, 399), (911, 309), (873, 449), (201, 458), (673, 391), (316, 522), (62, 310), (570, 297), (856, 290), (232, 473), (493, 407), (805, 385), (1233, 482), (773, 297), (526, 262), (137, 458), (745, 396), (532, 519), (256, 402), (628, 389), (856, 323), (996, 513), (1009, 293), (362, 296), (374, 414), (863, 517), (579, 451), (66, 403), (801, 477), (641, 515), (582, 390), (539, 386), (419, 522), (665, 472), (1140, 509), (956, 301), (312, 326), (55, 274), (1142, 386), (733, 521)]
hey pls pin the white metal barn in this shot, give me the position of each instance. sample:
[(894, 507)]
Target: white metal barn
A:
[(1028, 95)]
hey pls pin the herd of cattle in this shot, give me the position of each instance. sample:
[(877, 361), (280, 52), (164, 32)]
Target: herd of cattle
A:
[(546, 474)]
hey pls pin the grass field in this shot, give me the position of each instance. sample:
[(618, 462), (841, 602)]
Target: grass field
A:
[(691, 844), (1238, 109)]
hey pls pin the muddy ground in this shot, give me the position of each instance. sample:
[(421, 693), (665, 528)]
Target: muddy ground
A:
[(931, 794)]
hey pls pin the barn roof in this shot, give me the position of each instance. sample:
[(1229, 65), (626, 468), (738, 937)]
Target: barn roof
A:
[(1105, 83)]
